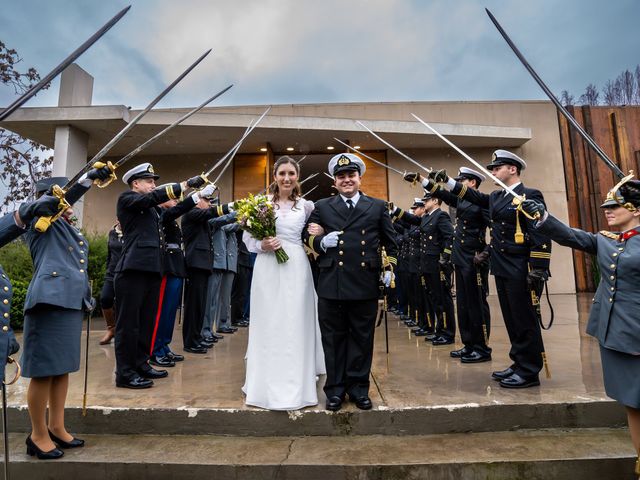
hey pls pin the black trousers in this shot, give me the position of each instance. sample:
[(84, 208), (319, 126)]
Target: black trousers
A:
[(137, 295), (239, 292), (402, 283), (474, 317), (414, 299), (438, 287), (347, 328), (108, 294), (195, 298), (522, 325), (425, 307)]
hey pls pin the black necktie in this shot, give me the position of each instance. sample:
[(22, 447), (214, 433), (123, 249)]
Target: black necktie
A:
[(349, 203)]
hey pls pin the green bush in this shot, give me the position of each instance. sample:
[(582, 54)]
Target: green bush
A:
[(16, 261)]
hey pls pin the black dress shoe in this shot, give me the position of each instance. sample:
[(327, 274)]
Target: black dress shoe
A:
[(502, 374), (421, 333), (442, 341), (196, 349), (206, 345), (363, 402), (410, 323), (415, 329), (429, 336), (210, 339), (475, 357), (136, 382), (218, 336), (161, 361), (175, 357), (461, 352), (516, 381), (227, 330), (33, 449), (74, 443), (334, 403), (153, 373)]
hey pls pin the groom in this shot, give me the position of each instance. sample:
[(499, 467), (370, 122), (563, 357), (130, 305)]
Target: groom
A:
[(355, 228)]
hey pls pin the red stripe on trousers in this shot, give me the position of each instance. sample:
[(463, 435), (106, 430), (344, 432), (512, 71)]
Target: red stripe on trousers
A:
[(163, 284)]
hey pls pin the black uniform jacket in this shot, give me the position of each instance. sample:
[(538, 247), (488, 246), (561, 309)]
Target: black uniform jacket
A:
[(197, 237), (351, 271), (139, 219), (508, 258), (174, 262), (115, 244), (436, 233), (469, 235)]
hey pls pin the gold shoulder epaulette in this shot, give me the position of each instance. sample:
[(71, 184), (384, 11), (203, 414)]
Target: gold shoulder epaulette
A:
[(607, 234)]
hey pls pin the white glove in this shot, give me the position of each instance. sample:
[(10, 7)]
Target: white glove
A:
[(85, 181), (206, 191), (231, 206), (388, 278), (330, 240)]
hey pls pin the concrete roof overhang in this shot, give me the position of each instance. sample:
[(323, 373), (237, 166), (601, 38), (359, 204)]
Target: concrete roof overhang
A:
[(214, 131)]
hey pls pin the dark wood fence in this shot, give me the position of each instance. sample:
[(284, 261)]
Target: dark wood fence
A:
[(617, 131)]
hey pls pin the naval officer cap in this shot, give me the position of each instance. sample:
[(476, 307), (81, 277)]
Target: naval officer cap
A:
[(44, 184), (417, 203), (346, 162), (504, 157), (144, 170), (469, 174)]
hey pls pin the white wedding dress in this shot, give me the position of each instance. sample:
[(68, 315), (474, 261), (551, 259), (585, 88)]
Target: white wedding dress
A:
[(284, 353)]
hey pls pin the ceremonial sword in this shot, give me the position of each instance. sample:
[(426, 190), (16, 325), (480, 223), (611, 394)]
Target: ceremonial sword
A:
[(310, 190), (64, 64), (377, 162), (403, 155), (519, 198), (231, 153), (43, 223), (586, 137)]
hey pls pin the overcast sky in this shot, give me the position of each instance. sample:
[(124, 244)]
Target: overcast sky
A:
[(306, 51)]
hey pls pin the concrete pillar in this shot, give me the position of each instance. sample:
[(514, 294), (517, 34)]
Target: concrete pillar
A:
[(71, 144)]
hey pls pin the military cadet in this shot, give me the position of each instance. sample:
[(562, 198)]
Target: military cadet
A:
[(12, 226), (400, 271), (108, 294), (613, 319), (56, 299), (436, 232), (199, 259), (173, 274), (470, 255), (139, 273), (355, 227), (520, 258)]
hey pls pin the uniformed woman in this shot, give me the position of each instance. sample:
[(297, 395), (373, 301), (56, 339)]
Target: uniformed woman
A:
[(107, 296), (613, 319), (58, 295)]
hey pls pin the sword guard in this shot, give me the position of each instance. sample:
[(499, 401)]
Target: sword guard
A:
[(18, 373), (108, 181)]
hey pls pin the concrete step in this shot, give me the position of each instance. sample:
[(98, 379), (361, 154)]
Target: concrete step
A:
[(437, 419), (543, 454)]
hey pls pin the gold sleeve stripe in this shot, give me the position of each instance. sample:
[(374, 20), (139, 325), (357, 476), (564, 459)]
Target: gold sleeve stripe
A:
[(170, 194), (463, 190), (540, 255), (219, 210), (446, 250), (311, 239), (434, 188), (393, 260), (399, 215)]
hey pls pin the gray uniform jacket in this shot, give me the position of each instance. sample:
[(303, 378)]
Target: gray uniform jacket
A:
[(219, 241), (8, 231), (60, 257), (613, 319)]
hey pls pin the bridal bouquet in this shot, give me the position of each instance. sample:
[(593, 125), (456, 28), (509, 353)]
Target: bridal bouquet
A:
[(257, 216)]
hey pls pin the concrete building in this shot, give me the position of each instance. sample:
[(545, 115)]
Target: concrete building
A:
[(77, 129)]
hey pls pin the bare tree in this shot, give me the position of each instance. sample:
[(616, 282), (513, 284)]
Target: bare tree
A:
[(590, 95), (637, 78), (21, 160), (612, 93), (627, 87), (566, 98)]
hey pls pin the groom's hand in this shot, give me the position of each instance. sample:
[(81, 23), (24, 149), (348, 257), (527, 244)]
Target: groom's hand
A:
[(330, 240)]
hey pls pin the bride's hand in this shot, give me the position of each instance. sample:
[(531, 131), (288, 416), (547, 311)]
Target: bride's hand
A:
[(270, 244), (315, 229)]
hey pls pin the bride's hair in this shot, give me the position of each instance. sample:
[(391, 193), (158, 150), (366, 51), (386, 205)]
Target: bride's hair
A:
[(275, 190)]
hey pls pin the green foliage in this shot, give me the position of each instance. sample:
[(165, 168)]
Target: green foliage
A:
[(16, 261)]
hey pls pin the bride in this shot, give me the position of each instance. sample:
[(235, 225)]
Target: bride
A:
[(284, 353)]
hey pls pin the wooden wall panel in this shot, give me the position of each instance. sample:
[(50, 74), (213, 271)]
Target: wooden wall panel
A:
[(249, 174)]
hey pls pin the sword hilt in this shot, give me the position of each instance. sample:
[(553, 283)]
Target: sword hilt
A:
[(18, 373), (43, 223), (112, 177)]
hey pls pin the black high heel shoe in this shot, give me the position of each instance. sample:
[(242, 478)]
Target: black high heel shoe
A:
[(75, 443), (33, 449)]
